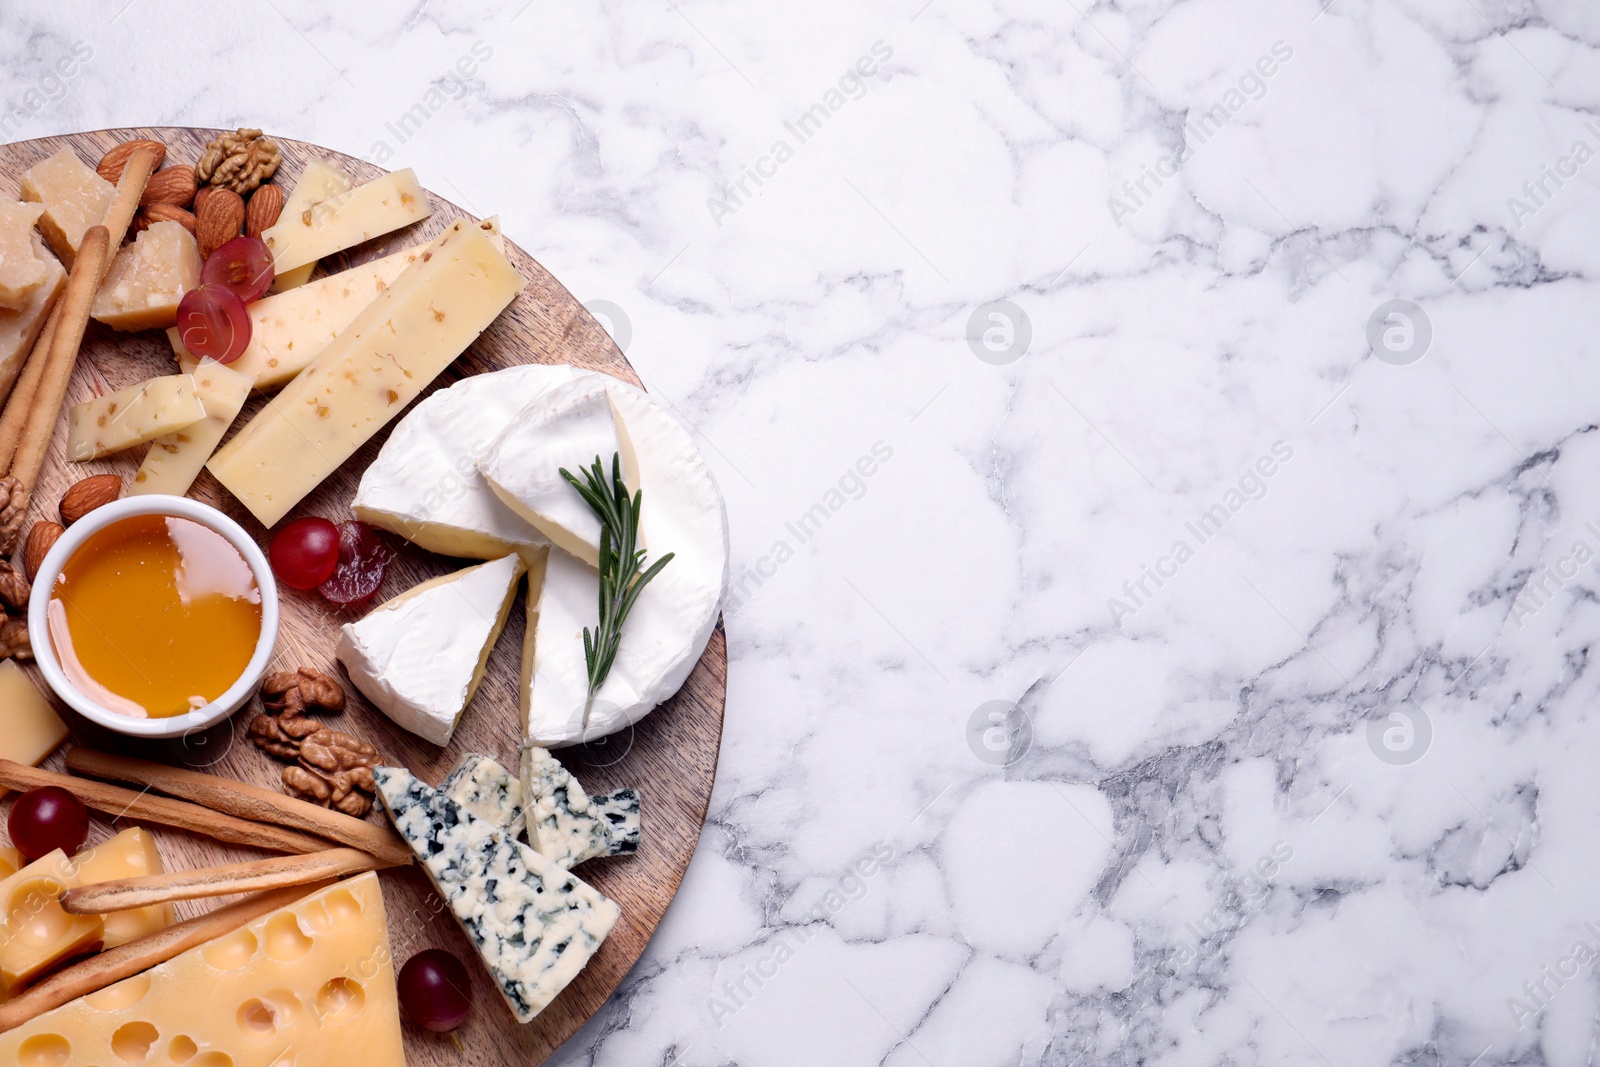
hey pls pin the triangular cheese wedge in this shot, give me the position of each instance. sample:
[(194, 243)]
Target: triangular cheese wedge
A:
[(420, 656), (534, 924), (312, 984)]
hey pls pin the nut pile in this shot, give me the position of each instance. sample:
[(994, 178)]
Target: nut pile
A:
[(327, 767)]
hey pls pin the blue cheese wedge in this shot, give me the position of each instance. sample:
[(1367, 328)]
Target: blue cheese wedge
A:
[(565, 824), (487, 790), (534, 925)]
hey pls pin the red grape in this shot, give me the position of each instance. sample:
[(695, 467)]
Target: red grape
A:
[(363, 557), (305, 553), (213, 321), (435, 991), (45, 819), (243, 265)]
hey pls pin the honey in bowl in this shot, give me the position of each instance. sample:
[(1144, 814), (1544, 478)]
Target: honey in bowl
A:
[(155, 616)]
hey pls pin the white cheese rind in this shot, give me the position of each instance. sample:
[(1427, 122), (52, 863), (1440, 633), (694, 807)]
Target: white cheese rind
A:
[(420, 656), (568, 427), (425, 486), (534, 925), (675, 615), (565, 824)]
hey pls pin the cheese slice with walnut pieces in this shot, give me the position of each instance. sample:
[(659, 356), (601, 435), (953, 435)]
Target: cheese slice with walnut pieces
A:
[(346, 220), (132, 416), (319, 181), (176, 460)]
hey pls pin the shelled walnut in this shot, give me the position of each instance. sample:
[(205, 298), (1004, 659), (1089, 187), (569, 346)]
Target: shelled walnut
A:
[(329, 767), (14, 587), (14, 641), (241, 160)]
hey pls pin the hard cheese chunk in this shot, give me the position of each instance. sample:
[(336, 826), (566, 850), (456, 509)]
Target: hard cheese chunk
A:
[(21, 272), (565, 824), (20, 329), (346, 220), (38, 933), (319, 181), (176, 460), (425, 484), (377, 366), (289, 330), (131, 854), (74, 198), (30, 729), (148, 279), (420, 656), (311, 985), (565, 428), (487, 790), (132, 416), (11, 861), (534, 924)]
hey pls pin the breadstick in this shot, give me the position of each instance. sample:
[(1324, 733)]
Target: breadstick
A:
[(277, 873), (246, 801), (130, 187), (151, 808), (107, 968)]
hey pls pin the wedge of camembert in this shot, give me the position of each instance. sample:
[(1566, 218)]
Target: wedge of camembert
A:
[(534, 924), (571, 826), (420, 656), (425, 484), (567, 427)]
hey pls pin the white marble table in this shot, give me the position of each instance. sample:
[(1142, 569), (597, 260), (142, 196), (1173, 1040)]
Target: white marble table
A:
[(1192, 668)]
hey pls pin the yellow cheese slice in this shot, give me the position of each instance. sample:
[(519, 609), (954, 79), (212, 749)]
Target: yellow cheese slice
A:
[(176, 460), (388, 355), (11, 861), (30, 729), (311, 985), (131, 854), (132, 416), (38, 933), (319, 181), (344, 221)]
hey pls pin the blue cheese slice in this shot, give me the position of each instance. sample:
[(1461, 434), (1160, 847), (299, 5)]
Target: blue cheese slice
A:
[(487, 790), (534, 925), (564, 823)]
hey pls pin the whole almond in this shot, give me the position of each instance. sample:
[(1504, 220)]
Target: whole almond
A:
[(170, 185), (200, 196), (265, 205), (148, 217), (113, 162), (41, 539), (219, 220), (95, 491)]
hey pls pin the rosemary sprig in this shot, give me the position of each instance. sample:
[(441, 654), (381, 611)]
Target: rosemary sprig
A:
[(621, 561)]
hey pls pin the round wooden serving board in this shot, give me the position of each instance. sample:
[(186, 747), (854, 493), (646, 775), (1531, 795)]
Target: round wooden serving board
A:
[(671, 756)]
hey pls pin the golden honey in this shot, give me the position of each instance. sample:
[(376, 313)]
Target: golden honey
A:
[(155, 616)]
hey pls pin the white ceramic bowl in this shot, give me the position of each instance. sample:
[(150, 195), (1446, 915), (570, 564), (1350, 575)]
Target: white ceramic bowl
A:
[(177, 725)]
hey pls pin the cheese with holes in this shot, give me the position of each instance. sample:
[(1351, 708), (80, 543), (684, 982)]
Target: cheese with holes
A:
[(565, 824), (674, 616), (30, 729), (132, 416), (347, 219), (377, 366), (311, 984), (420, 656), (319, 181), (425, 484), (148, 279), (20, 329), (130, 854), (176, 460), (21, 272), (565, 428), (74, 198), (37, 933), (534, 925)]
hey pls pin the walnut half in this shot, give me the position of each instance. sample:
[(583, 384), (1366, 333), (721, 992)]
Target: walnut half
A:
[(296, 691), (241, 161)]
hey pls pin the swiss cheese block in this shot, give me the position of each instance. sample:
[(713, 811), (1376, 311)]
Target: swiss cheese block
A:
[(37, 933), (130, 854), (310, 985), (132, 416), (20, 329), (566, 428), (30, 729), (21, 272), (11, 861), (176, 460), (420, 656), (148, 279), (319, 181), (425, 485), (378, 365), (290, 329), (74, 198), (346, 220)]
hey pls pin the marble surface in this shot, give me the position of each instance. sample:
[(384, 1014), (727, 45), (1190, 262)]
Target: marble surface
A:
[(1189, 668)]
